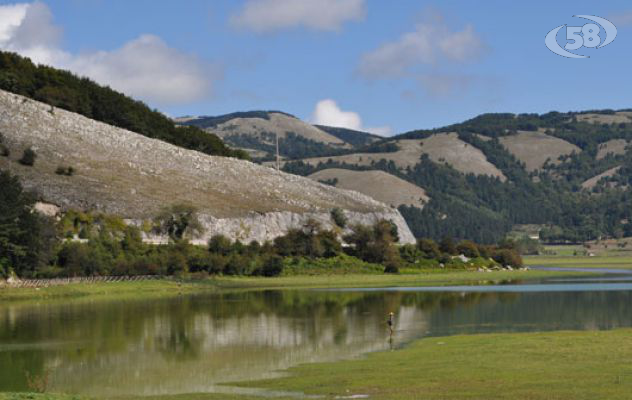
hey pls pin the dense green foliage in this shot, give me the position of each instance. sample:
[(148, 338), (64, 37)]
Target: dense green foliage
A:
[(26, 238), (64, 90)]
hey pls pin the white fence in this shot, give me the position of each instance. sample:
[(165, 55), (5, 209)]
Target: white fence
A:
[(40, 283)]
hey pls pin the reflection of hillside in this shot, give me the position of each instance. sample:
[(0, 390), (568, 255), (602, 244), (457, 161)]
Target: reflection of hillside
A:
[(208, 350), (189, 344)]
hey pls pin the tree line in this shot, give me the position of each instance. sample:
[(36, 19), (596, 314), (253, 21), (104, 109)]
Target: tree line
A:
[(93, 244)]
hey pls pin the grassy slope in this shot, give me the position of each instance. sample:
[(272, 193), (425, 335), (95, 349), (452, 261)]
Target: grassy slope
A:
[(552, 365)]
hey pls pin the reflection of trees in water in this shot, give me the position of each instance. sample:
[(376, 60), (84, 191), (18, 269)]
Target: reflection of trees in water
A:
[(221, 330)]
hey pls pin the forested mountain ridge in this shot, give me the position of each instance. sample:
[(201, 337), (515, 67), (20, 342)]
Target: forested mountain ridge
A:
[(256, 132), (568, 172)]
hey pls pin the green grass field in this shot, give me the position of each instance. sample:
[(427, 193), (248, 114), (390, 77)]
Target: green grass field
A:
[(167, 287), (550, 365)]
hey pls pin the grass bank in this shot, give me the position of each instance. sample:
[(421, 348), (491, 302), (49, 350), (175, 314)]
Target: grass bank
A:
[(169, 287), (579, 261), (551, 365)]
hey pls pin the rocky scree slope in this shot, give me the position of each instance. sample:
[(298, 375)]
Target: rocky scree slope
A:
[(124, 173)]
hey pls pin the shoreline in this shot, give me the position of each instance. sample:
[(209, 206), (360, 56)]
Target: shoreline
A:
[(167, 286)]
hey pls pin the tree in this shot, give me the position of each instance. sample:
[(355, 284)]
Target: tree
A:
[(447, 246), (376, 244), (220, 244), (429, 249), (26, 238), (179, 222)]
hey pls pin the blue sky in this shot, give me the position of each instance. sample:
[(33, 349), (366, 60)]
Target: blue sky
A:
[(384, 66)]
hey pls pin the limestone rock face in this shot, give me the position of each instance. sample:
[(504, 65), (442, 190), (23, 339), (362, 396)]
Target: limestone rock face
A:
[(268, 226), (127, 174)]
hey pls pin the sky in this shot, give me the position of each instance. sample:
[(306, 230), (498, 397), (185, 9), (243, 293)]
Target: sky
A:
[(383, 66)]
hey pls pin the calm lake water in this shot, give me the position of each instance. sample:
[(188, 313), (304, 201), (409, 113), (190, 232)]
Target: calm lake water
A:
[(192, 343)]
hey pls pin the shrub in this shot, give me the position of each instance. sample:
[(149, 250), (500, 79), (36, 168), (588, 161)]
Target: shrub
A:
[(176, 263), (468, 249), (68, 171), (273, 266), (28, 157), (339, 218), (179, 222), (507, 257), (391, 269)]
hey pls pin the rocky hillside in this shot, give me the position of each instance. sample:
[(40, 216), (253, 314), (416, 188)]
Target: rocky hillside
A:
[(256, 132), (121, 172)]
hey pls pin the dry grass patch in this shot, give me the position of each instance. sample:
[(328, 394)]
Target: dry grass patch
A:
[(615, 147), (380, 185), (443, 148), (535, 148)]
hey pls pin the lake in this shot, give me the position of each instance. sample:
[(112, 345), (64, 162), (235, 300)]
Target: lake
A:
[(193, 343)]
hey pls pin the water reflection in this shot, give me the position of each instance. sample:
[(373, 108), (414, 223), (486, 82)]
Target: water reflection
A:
[(190, 344)]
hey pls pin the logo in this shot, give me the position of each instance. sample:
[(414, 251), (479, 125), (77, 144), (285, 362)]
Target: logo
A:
[(590, 35)]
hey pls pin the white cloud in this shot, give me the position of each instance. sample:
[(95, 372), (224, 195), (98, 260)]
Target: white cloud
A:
[(429, 44), (263, 16), (328, 113), (146, 67), (11, 17)]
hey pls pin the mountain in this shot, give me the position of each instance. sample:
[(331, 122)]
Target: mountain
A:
[(257, 131), (568, 173), (127, 174)]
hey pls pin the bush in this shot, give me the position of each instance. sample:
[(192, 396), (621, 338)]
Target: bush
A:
[(468, 249), (68, 171), (507, 257), (176, 263), (339, 218), (28, 157), (429, 248), (273, 266), (391, 269)]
